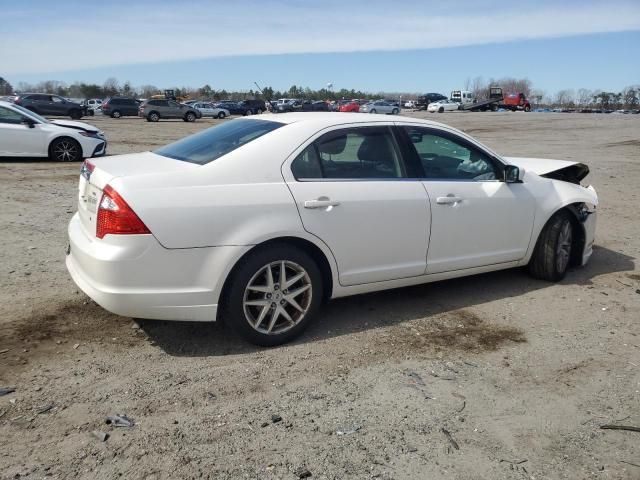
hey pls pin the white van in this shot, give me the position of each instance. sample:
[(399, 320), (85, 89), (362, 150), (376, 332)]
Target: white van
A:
[(462, 96)]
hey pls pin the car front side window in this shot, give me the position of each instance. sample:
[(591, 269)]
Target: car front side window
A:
[(445, 157), (9, 116), (354, 153)]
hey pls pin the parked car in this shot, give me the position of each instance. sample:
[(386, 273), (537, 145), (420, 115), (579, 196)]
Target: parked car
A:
[(257, 106), (423, 101), (117, 107), (46, 104), (93, 105), (410, 104), (380, 107), (24, 133), (258, 221), (314, 106), (443, 106), (235, 108), (156, 109), (288, 105), (209, 110), (350, 107)]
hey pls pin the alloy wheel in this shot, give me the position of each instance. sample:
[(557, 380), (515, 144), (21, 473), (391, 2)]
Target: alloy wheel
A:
[(277, 297), (65, 151), (563, 249)]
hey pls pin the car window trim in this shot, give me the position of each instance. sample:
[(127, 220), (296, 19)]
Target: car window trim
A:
[(396, 146), (412, 151)]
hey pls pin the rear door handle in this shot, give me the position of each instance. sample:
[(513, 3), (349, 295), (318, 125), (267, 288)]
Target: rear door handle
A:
[(321, 202), (448, 200)]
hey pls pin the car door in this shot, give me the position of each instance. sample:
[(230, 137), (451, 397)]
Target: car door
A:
[(477, 219), (17, 138), (354, 192), (58, 105)]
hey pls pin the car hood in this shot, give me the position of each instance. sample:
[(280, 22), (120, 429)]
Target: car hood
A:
[(558, 169), (76, 125)]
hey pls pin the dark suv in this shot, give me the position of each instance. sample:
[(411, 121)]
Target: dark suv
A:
[(117, 107), (256, 106), (423, 101), (47, 104)]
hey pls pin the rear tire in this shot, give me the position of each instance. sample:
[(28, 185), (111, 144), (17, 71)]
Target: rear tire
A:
[(373, 111), (190, 117), (221, 115), (395, 111), (251, 311), (75, 114), (247, 113), (65, 149), (527, 108), (441, 110), (552, 254)]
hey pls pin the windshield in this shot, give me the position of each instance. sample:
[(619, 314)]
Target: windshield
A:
[(30, 113), (213, 143)]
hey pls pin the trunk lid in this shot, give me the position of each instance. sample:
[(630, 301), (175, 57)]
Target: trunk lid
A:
[(104, 170)]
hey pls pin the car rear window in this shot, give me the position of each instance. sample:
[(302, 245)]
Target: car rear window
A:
[(213, 143)]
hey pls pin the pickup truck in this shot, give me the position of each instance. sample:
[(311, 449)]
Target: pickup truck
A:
[(515, 101)]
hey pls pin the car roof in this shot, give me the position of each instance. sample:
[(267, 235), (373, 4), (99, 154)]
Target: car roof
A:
[(328, 119)]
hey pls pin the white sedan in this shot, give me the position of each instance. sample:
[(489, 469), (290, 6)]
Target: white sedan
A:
[(443, 106), (208, 110), (260, 220), (27, 134)]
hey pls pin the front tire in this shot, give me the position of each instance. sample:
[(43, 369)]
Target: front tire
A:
[(552, 254), (395, 111), (116, 114), (221, 115), (441, 110), (273, 295), (65, 150), (373, 111), (75, 114), (153, 117)]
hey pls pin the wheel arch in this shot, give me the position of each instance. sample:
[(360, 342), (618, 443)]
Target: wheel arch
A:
[(52, 139), (312, 249), (576, 211)]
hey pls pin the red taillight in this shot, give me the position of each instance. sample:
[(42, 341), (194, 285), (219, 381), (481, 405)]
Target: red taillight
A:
[(116, 217)]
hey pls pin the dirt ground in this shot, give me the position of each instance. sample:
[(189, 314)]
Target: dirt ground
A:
[(496, 376)]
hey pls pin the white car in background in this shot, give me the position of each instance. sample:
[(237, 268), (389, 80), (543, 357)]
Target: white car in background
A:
[(27, 134), (443, 106), (259, 220), (208, 110)]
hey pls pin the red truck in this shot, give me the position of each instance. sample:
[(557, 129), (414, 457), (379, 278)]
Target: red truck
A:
[(515, 101)]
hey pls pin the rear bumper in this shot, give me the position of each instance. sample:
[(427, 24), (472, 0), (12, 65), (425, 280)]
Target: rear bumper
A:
[(134, 276)]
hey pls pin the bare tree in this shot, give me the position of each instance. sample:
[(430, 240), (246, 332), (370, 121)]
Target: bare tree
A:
[(565, 98), (584, 97), (111, 86)]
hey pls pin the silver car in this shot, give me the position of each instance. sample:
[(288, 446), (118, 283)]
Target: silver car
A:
[(380, 106), (208, 110)]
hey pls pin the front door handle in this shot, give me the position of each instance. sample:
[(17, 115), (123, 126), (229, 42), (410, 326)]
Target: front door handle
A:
[(321, 202), (448, 200)]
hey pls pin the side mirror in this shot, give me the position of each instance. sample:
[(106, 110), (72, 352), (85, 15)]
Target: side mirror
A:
[(28, 122), (513, 174)]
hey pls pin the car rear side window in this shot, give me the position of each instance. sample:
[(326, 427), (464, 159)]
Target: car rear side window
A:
[(354, 153), (213, 143)]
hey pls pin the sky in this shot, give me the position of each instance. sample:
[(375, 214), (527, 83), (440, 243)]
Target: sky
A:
[(371, 45)]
